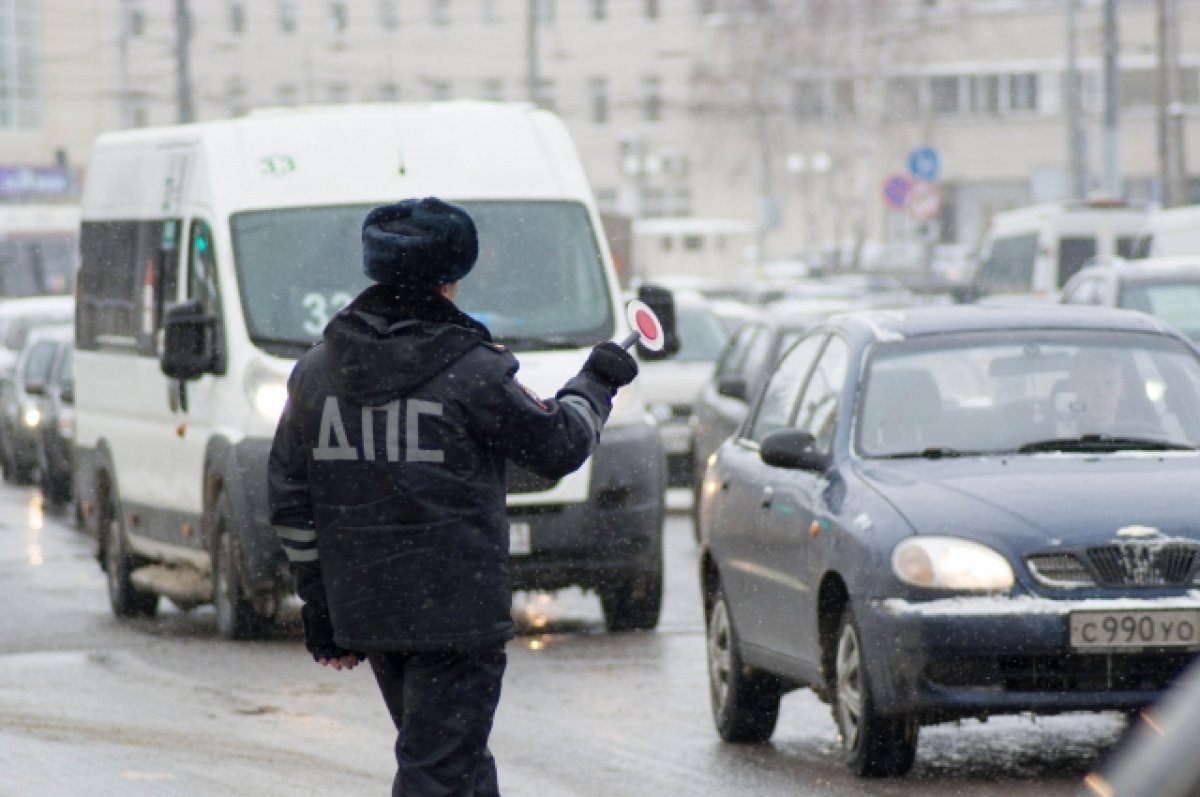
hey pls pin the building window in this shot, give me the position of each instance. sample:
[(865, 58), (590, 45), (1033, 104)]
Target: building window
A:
[(808, 99), (652, 101), (439, 12), (902, 102), (491, 14), (545, 11), (339, 16), (135, 18), (652, 9), (1023, 92), (945, 95), (1139, 88), (286, 94), (235, 97), (389, 14), (844, 102), (545, 94), (598, 100), (337, 93), (439, 89), (985, 94), (599, 10), (237, 17), (492, 90), (20, 65), (389, 91), (287, 16)]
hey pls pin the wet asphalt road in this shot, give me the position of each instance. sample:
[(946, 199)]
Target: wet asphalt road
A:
[(90, 705)]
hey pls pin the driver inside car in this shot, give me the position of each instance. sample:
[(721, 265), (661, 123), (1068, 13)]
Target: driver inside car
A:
[(1101, 400)]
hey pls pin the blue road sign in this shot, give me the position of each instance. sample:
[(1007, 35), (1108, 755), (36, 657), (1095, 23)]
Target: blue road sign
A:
[(895, 190), (924, 164)]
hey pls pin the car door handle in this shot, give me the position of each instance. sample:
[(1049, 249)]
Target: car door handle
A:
[(768, 495)]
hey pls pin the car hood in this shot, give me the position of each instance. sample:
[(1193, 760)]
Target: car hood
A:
[(1045, 500)]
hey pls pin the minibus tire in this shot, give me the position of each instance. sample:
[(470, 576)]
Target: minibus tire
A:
[(236, 618), (126, 600)]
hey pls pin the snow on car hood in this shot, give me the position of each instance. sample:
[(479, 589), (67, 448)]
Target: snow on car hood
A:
[(1044, 500)]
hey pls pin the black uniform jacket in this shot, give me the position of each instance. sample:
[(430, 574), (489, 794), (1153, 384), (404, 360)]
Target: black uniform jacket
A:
[(386, 477)]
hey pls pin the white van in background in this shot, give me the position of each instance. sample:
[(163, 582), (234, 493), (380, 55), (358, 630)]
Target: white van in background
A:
[(217, 252), (1173, 232), (1033, 251)]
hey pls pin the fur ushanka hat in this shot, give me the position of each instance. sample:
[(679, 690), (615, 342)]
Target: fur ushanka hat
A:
[(419, 242)]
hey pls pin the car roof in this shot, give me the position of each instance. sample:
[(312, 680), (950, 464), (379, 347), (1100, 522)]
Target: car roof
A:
[(37, 305), (925, 321)]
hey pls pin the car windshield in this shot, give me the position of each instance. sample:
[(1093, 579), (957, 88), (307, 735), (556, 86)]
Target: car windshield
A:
[(1177, 303), (1028, 392), (539, 281), (701, 335)]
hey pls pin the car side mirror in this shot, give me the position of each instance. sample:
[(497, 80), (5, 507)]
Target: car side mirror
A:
[(793, 449), (733, 387), (189, 341), (35, 388), (662, 302)]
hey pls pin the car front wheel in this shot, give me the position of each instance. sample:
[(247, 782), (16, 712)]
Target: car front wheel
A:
[(126, 599), (873, 745), (236, 617), (745, 702)]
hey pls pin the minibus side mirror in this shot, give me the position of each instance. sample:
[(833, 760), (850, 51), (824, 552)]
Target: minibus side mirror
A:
[(189, 341), (660, 300)]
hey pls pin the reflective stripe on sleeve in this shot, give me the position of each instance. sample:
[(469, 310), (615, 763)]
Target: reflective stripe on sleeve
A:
[(300, 545), (584, 409)]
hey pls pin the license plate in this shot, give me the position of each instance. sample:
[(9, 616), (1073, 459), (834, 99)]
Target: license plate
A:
[(1117, 630), (520, 540)]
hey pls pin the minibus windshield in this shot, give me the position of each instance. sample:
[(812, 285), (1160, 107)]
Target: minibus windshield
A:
[(539, 282)]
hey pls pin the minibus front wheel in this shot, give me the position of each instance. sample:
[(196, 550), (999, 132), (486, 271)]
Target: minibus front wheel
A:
[(236, 616)]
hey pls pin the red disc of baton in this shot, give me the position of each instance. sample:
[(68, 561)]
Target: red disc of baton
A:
[(646, 324)]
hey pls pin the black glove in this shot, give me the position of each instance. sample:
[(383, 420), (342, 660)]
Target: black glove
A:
[(318, 634), (611, 365)]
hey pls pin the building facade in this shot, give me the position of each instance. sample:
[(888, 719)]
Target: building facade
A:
[(702, 108)]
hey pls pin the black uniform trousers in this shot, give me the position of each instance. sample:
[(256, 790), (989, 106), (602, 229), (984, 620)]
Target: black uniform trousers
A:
[(442, 705)]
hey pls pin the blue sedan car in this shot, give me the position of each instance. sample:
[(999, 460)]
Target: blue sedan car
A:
[(955, 512)]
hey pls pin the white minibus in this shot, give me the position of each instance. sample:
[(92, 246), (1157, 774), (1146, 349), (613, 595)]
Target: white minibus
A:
[(213, 254)]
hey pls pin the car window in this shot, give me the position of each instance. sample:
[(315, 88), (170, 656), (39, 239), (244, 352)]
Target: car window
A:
[(1009, 265), (732, 362), (701, 336), (817, 409), (66, 368), (1074, 252), (1082, 292), (38, 363), (757, 359), (778, 400), (1177, 303)]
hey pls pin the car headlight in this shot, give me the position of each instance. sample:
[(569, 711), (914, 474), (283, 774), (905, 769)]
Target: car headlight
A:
[(31, 416), (266, 390), (950, 563)]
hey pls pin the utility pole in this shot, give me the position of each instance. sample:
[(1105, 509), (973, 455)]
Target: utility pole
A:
[(532, 79), (1172, 171), (1112, 102), (1076, 134), (183, 47)]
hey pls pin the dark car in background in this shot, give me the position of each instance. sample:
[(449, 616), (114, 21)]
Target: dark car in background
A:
[(56, 441), (1167, 288), (960, 512), (22, 401), (741, 369)]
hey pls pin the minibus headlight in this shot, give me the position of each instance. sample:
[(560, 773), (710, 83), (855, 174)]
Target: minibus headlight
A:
[(267, 391)]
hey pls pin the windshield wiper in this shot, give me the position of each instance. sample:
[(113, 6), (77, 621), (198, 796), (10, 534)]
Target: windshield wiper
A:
[(1103, 442), (935, 452), (531, 342)]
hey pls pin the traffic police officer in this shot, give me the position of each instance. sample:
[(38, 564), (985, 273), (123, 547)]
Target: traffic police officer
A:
[(387, 489)]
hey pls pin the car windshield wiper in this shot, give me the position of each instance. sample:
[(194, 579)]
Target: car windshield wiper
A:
[(1103, 442), (935, 452)]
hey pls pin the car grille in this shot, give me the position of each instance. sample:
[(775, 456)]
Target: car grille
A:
[(1059, 570), (681, 412), (1091, 672), (1143, 564), (520, 480)]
